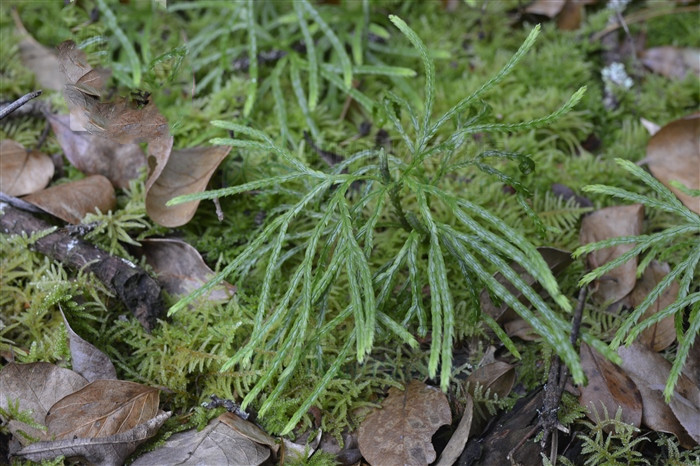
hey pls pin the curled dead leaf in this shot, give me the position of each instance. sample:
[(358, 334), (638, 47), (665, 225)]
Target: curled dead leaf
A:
[(650, 370), (96, 155), (41, 60), (37, 387), (23, 171), (606, 223), (73, 200), (660, 335), (610, 387), (672, 62), (455, 446), (101, 409), (497, 378), (400, 433), (181, 269), (87, 360), (187, 171), (673, 153), (104, 451), (216, 444)]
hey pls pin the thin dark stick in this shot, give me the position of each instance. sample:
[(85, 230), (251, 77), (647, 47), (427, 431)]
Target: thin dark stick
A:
[(18, 103), (558, 375)]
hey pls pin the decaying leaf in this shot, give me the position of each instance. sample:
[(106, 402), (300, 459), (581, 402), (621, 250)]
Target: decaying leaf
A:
[(101, 409), (96, 155), (37, 386), (548, 8), (87, 360), (497, 378), (217, 444), (295, 452), (609, 386), (660, 335), (672, 62), (651, 370), (41, 60), (606, 223), (346, 455), (455, 446), (181, 269), (73, 200), (522, 329), (673, 153), (556, 259), (691, 369), (103, 451), (23, 171), (187, 171), (400, 433), (249, 430)]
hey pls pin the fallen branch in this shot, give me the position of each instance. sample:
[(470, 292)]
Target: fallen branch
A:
[(11, 107), (139, 292)]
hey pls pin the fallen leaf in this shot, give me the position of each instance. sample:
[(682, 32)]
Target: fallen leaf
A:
[(569, 18), (650, 370), (41, 60), (557, 260), (400, 433), (249, 430), (97, 155), (37, 386), (346, 455), (181, 269), (674, 154), (87, 360), (23, 171), (692, 364), (455, 446), (606, 223), (103, 451), (651, 127), (297, 452), (497, 378), (672, 62), (217, 444), (187, 171), (548, 8), (102, 408), (609, 386), (73, 200), (522, 329), (660, 335)]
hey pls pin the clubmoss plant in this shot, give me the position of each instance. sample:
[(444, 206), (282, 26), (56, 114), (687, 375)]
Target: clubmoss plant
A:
[(333, 234), (680, 242)]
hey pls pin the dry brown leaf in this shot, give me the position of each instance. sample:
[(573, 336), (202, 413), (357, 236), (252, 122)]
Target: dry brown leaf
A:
[(557, 259), (249, 430), (73, 62), (181, 269), (569, 19), (672, 62), (296, 452), (608, 223), (662, 334), (548, 8), (41, 60), (651, 127), (87, 360), (674, 154), (346, 455), (217, 444), (496, 377), (400, 433), (187, 171), (691, 369), (102, 408), (96, 155), (651, 370), (455, 446), (521, 329), (609, 386), (73, 200), (104, 451), (37, 386), (23, 171)]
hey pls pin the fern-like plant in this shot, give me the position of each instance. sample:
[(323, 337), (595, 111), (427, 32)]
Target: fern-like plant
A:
[(329, 246), (682, 240)]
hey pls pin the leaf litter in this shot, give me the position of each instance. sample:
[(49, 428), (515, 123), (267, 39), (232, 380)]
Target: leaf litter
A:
[(23, 171)]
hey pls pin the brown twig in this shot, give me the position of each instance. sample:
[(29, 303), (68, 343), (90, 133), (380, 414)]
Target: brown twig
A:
[(11, 107), (558, 374), (139, 292)]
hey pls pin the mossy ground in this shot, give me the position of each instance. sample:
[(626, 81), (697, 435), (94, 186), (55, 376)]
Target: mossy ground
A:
[(184, 353)]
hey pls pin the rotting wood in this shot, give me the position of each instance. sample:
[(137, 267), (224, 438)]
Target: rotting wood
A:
[(140, 293)]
